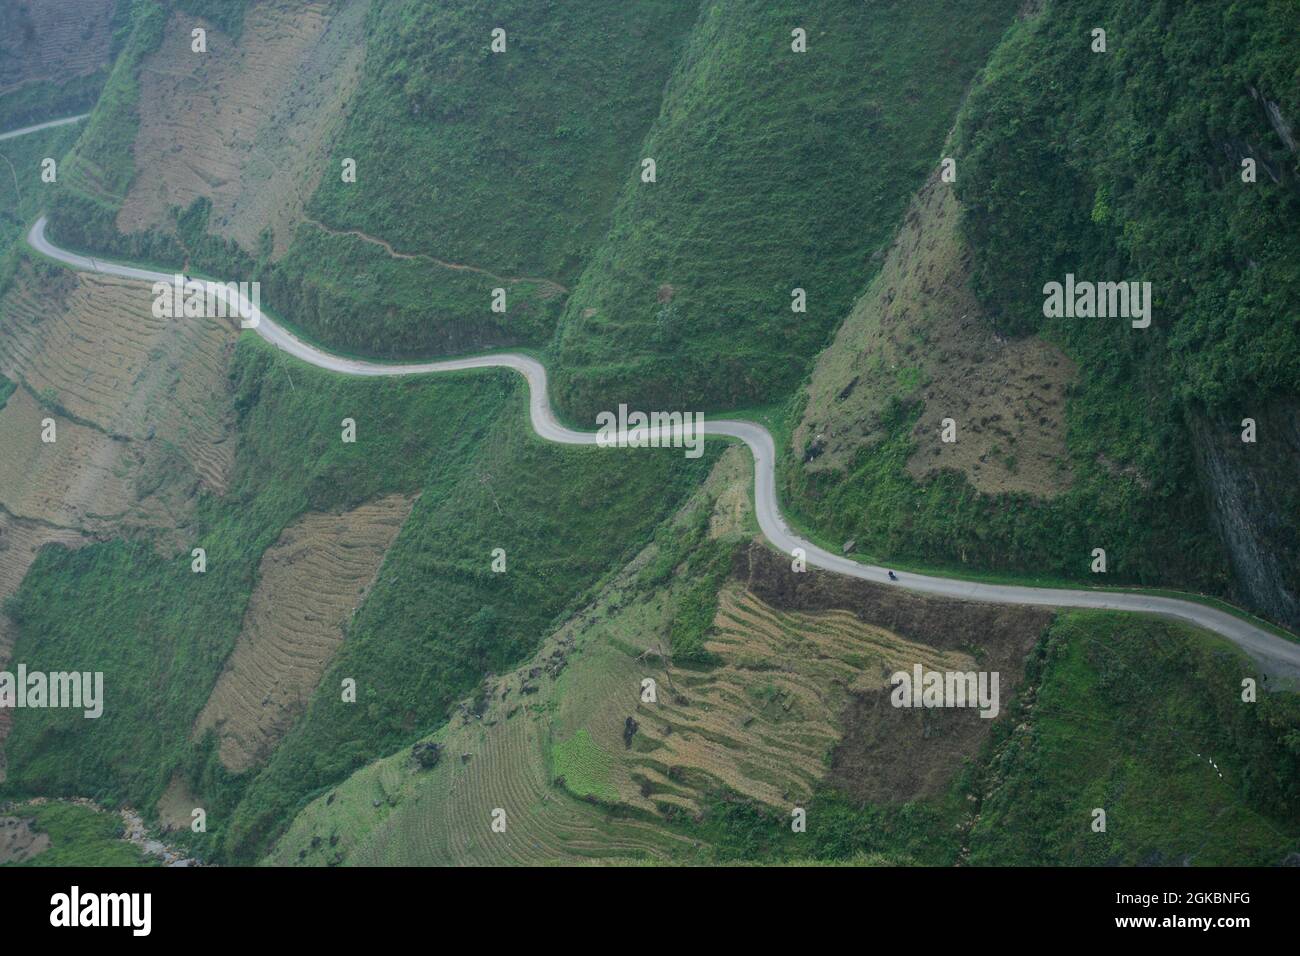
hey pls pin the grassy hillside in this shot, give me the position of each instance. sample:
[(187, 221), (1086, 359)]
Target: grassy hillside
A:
[(161, 633), (1075, 434), (439, 618), (510, 161), (55, 56), (22, 194), (1137, 154), (1115, 711), (775, 170), (1031, 484), (560, 713), (477, 170), (1145, 720)]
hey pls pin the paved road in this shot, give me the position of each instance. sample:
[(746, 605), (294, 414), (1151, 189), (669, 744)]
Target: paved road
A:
[(1278, 657), (40, 126)]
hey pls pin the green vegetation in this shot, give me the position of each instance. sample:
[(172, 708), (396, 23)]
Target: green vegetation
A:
[(352, 293), (1145, 720), (81, 836), (101, 166), (435, 621), (1152, 535), (685, 551), (584, 767), (775, 170), (508, 163), (21, 191), (44, 100), (839, 830), (1117, 166), (1136, 158)]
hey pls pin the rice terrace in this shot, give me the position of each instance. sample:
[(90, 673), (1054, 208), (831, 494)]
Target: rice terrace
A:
[(670, 433)]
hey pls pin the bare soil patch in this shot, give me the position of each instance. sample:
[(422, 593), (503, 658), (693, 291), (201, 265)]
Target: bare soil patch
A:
[(919, 335), (176, 806), (250, 124), (890, 754), (20, 840), (310, 583)]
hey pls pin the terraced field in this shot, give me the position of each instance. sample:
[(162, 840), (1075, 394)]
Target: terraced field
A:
[(84, 479), (586, 768), (765, 722), (90, 346), (249, 125), (309, 584), (142, 415), (394, 812), (52, 40), (499, 751)]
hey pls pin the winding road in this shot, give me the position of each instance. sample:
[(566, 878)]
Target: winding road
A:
[(1277, 656), (13, 133)]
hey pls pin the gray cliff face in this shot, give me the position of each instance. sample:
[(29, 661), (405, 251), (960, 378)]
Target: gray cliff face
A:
[(1254, 492)]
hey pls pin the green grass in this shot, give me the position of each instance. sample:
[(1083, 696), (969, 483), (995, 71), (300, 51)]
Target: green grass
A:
[(80, 836), (505, 162), (102, 163), (584, 766), (353, 295), (775, 170), (22, 193), (1128, 715)]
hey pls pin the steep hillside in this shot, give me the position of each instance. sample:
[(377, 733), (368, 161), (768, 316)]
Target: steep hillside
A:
[(249, 125), (791, 710), (1146, 721), (142, 422), (1074, 434), (54, 56), (1138, 156), (775, 170), (391, 638), (1027, 483), (434, 621), (309, 583)]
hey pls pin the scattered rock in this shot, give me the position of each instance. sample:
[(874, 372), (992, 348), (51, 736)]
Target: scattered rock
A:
[(426, 755)]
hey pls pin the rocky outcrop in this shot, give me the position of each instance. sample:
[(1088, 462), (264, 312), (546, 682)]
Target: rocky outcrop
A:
[(1255, 503)]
